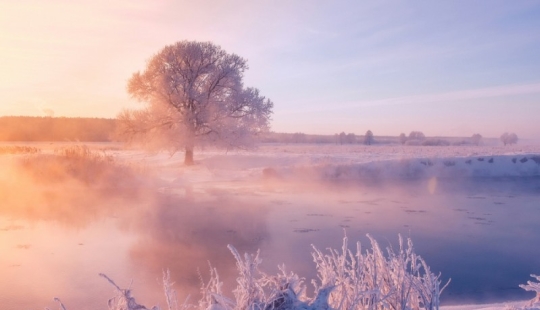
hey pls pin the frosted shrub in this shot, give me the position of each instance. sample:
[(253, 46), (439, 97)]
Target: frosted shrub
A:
[(347, 280), (78, 163), (373, 280), (533, 304), (212, 296), (534, 287), (123, 299), (249, 293)]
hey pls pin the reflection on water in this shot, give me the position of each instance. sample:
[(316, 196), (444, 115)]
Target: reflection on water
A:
[(186, 235), (481, 233)]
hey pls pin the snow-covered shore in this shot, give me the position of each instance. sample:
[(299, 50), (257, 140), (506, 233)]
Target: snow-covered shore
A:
[(354, 162)]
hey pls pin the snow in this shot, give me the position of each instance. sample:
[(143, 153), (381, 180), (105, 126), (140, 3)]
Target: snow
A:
[(497, 306), (347, 162)]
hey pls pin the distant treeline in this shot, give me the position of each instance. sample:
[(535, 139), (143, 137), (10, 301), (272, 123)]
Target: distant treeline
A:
[(342, 138), (414, 138), (27, 128)]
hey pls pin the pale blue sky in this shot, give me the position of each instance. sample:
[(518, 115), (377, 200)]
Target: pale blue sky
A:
[(445, 68)]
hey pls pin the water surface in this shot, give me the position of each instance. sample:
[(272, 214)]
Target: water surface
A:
[(482, 233)]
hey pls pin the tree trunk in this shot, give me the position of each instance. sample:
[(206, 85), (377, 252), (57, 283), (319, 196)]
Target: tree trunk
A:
[(188, 157)]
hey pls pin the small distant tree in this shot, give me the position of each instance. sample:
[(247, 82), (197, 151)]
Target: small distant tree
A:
[(299, 137), (342, 137), (416, 135), (195, 95), (351, 138), (402, 138), (509, 138), (368, 137), (476, 139)]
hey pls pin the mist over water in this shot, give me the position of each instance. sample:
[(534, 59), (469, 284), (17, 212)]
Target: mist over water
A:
[(58, 231)]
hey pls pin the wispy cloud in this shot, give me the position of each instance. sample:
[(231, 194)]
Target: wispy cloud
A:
[(488, 92), (454, 96)]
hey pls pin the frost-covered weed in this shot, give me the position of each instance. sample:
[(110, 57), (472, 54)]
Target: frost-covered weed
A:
[(347, 280), (533, 304), (16, 149), (78, 163), (373, 280), (123, 299), (534, 287), (61, 305)]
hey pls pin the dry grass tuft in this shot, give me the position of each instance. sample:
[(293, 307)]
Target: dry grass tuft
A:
[(97, 169), (15, 149)]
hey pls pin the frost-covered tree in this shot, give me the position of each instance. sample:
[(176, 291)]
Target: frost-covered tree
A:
[(476, 139), (342, 137), (351, 138), (194, 95), (368, 138), (402, 138), (416, 135), (509, 138)]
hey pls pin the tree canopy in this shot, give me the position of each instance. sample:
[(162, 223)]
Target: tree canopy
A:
[(509, 138), (195, 95), (416, 135), (402, 138), (476, 139), (368, 138)]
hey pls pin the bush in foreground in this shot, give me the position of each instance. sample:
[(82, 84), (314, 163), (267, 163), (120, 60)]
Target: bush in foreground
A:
[(347, 280), (533, 304)]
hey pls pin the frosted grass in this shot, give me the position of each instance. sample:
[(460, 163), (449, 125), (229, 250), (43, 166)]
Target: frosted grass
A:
[(374, 279), (346, 280)]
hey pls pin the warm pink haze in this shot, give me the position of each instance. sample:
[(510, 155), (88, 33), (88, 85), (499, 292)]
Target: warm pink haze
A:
[(444, 68)]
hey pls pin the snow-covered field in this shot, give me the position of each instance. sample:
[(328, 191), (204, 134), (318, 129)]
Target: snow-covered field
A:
[(279, 178), (350, 162)]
